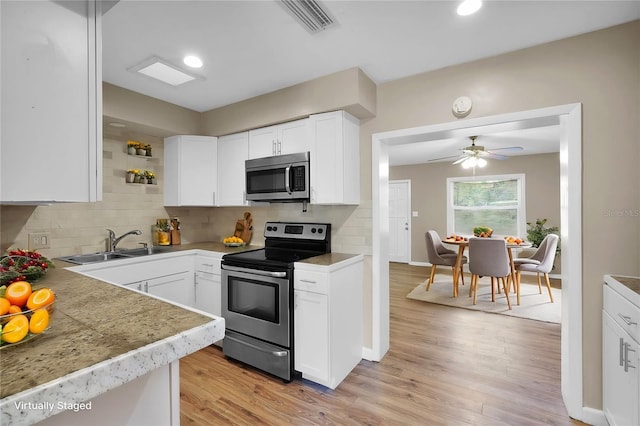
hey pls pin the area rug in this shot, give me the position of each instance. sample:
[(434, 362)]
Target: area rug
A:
[(533, 305)]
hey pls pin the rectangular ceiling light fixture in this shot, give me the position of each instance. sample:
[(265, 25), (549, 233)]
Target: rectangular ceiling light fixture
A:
[(162, 70), (309, 13)]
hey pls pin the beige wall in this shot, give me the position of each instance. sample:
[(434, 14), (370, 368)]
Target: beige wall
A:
[(428, 192), (601, 70), (350, 90)]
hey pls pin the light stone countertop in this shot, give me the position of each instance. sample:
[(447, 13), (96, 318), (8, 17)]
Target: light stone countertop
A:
[(101, 336)]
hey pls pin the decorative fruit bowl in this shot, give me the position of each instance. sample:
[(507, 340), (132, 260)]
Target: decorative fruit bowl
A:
[(482, 232), (26, 313), (233, 242), (23, 265)]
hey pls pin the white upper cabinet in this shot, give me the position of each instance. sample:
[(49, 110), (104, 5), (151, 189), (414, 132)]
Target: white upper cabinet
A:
[(190, 177), (233, 150), (335, 158), (285, 138), (51, 102)]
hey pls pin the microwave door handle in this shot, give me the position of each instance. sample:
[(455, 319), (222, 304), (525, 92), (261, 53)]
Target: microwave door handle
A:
[(287, 177)]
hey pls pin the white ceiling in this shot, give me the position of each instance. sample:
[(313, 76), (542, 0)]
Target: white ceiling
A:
[(251, 48)]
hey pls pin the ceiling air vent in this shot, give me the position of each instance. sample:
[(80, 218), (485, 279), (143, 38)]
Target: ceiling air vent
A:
[(309, 13)]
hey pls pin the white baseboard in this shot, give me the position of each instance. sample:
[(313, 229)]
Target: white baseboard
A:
[(594, 417)]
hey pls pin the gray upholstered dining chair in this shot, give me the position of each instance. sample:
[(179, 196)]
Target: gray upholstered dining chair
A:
[(488, 257), (540, 262), (437, 254)]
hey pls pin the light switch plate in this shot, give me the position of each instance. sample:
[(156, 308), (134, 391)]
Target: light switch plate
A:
[(39, 240)]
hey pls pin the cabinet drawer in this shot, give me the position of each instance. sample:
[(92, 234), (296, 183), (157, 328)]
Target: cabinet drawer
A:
[(208, 264), (311, 281), (625, 313)]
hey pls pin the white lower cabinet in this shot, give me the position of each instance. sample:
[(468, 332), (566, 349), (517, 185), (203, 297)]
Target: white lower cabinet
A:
[(328, 323), (208, 284), (621, 359), (190, 279)]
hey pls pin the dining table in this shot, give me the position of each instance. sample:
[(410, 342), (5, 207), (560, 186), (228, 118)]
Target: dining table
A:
[(464, 243)]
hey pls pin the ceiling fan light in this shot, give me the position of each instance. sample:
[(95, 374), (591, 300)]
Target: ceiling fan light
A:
[(481, 162), (469, 162)]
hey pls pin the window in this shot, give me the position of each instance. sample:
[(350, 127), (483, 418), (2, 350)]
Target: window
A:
[(497, 202)]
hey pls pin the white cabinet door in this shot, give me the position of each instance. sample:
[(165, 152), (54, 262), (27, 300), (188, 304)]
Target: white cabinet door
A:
[(176, 288), (335, 158), (311, 334), (51, 102), (262, 142), (293, 137), (285, 138), (233, 150), (621, 389), (190, 164), (208, 293)]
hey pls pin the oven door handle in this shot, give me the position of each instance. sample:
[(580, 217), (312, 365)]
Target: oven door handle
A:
[(273, 274), (258, 348)]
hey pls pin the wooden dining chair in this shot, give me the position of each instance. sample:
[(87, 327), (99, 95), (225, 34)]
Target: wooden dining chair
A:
[(438, 254), (540, 262), (488, 257)]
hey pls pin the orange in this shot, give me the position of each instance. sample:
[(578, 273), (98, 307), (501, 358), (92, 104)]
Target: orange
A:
[(40, 298), (18, 293), (39, 321), (16, 329), (15, 309), (4, 306)]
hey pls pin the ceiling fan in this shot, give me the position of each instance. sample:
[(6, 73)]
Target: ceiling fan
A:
[(474, 155)]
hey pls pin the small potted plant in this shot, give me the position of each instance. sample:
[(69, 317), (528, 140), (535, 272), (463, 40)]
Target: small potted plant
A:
[(132, 147), (147, 149), (151, 178), (131, 175)]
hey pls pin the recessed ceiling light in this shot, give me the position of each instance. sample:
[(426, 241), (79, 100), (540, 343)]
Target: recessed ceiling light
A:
[(192, 61), (164, 71), (468, 7)]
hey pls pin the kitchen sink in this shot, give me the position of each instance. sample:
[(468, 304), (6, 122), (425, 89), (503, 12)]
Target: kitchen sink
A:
[(81, 259), (144, 251)]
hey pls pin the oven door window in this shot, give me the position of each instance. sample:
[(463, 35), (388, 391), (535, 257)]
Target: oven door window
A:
[(256, 299)]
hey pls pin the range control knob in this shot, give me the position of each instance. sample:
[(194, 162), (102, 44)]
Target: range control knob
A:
[(320, 230), (313, 230)]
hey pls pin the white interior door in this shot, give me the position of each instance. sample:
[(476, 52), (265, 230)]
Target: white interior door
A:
[(399, 221)]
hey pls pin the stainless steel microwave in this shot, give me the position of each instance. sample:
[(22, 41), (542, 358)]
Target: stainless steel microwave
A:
[(279, 178)]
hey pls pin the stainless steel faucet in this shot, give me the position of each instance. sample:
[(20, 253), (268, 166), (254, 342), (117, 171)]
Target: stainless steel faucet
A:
[(112, 242)]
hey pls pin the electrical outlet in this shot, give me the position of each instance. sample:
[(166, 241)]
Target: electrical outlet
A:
[(39, 240)]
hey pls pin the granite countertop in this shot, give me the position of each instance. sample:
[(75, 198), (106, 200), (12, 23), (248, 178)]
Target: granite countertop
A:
[(101, 336)]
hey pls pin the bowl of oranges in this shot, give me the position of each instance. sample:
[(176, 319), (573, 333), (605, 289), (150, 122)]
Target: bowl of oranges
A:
[(25, 312)]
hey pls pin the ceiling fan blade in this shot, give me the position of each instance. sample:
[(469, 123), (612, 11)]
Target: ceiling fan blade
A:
[(444, 158), (509, 148), (489, 154), (460, 160)]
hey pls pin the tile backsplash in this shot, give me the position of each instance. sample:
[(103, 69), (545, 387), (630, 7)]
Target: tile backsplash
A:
[(81, 227)]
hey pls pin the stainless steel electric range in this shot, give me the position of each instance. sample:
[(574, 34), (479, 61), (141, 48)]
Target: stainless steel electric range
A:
[(257, 295)]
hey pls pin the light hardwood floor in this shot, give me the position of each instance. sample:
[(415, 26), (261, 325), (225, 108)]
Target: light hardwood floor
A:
[(445, 366)]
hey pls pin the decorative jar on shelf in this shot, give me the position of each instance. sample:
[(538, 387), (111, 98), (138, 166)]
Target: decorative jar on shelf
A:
[(131, 150), (130, 177), (163, 232), (141, 151)]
